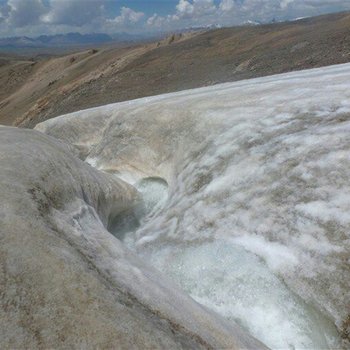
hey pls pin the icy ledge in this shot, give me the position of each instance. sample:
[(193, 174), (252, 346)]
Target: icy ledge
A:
[(256, 224)]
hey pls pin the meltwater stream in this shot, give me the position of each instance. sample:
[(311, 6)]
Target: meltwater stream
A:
[(228, 279), (153, 194)]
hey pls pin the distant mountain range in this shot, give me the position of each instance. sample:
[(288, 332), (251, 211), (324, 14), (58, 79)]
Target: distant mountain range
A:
[(70, 39)]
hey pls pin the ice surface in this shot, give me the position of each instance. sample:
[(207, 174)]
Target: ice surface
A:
[(256, 223), (239, 285)]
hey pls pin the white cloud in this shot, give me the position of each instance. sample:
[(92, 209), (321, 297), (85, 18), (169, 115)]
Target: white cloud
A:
[(127, 16), (155, 21), (21, 13), (74, 13), (196, 9), (195, 12), (226, 5), (185, 8), (285, 3), (163, 22)]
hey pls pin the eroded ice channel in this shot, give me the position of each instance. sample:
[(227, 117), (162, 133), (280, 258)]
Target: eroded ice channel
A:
[(228, 279), (153, 194), (252, 217)]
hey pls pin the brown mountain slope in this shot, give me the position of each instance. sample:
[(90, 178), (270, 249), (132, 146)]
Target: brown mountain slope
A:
[(88, 79)]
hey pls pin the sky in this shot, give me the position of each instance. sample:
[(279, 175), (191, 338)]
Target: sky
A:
[(36, 17)]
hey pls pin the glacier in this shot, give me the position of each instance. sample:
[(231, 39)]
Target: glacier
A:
[(66, 282), (237, 220)]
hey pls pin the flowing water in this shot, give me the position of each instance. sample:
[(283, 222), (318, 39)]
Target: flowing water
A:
[(232, 281)]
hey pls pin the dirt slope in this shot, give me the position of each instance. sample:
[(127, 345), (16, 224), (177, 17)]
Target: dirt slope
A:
[(89, 78)]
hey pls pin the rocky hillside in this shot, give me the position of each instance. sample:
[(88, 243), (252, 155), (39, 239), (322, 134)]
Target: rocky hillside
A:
[(50, 87)]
